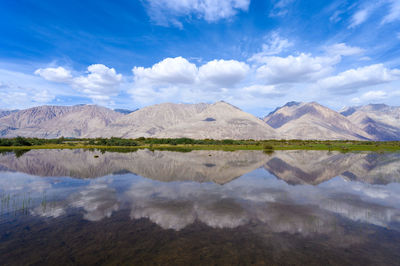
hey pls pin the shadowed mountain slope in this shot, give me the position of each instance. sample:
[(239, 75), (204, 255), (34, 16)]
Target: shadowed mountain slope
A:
[(57, 121), (380, 121), (313, 121), (220, 120)]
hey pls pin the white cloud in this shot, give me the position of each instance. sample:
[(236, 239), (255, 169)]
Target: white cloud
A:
[(394, 12), (168, 12), (265, 90), (43, 97), (295, 69), (177, 78), (351, 80), (343, 50), (223, 73), (359, 17), (58, 74), (275, 45), (280, 8), (99, 84), (336, 17), (16, 97), (171, 70), (370, 96), (391, 6)]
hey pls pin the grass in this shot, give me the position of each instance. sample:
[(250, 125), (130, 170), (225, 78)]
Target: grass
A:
[(342, 146)]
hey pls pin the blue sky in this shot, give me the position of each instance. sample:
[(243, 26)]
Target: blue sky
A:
[(255, 54)]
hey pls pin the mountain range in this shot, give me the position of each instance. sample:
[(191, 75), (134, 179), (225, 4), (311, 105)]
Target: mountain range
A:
[(220, 120)]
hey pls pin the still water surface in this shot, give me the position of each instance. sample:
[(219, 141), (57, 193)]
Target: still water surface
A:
[(199, 207)]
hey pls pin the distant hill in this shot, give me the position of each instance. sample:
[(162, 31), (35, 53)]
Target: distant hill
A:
[(297, 120), (57, 121), (221, 120), (381, 121)]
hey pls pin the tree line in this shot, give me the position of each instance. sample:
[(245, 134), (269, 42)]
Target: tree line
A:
[(113, 141)]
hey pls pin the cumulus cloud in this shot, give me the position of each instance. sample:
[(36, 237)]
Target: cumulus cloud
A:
[(100, 83), (56, 74), (275, 45), (170, 70), (168, 12), (351, 80), (224, 73), (177, 77), (293, 69), (301, 68)]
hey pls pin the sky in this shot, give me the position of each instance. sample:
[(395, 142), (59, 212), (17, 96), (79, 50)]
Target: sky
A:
[(254, 54)]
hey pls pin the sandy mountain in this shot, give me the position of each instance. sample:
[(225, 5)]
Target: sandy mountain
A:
[(34, 116), (221, 121), (313, 121), (83, 121), (6, 112), (57, 121), (379, 120), (30, 118), (150, 120)]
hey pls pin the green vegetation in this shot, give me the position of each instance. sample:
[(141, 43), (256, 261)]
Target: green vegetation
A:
[(187, 144)]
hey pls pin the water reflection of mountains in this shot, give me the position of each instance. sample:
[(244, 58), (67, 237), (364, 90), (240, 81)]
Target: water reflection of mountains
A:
[(294, 167)]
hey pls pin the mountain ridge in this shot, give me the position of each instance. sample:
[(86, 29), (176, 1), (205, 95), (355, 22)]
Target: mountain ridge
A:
[(220, 120), (313, 121), (379, 120)]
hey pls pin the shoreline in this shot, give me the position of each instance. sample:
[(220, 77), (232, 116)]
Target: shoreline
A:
[(342, 147)]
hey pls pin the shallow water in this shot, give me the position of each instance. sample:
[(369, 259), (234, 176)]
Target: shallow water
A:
[(199, 207)]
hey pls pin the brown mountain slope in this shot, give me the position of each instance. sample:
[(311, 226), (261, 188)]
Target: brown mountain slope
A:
[(221, 121), (313, 121)]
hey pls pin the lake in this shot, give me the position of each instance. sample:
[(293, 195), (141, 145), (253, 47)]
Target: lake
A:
[(199, 207)]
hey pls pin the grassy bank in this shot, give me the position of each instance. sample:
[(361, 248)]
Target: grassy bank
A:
[(185, 144)]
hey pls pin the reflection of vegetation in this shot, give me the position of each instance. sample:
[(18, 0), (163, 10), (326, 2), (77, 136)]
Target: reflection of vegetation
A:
[(19, 153), (269, 152), (115, 149), (22, 202), (268, 149), (177, 149), (187, 144)]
